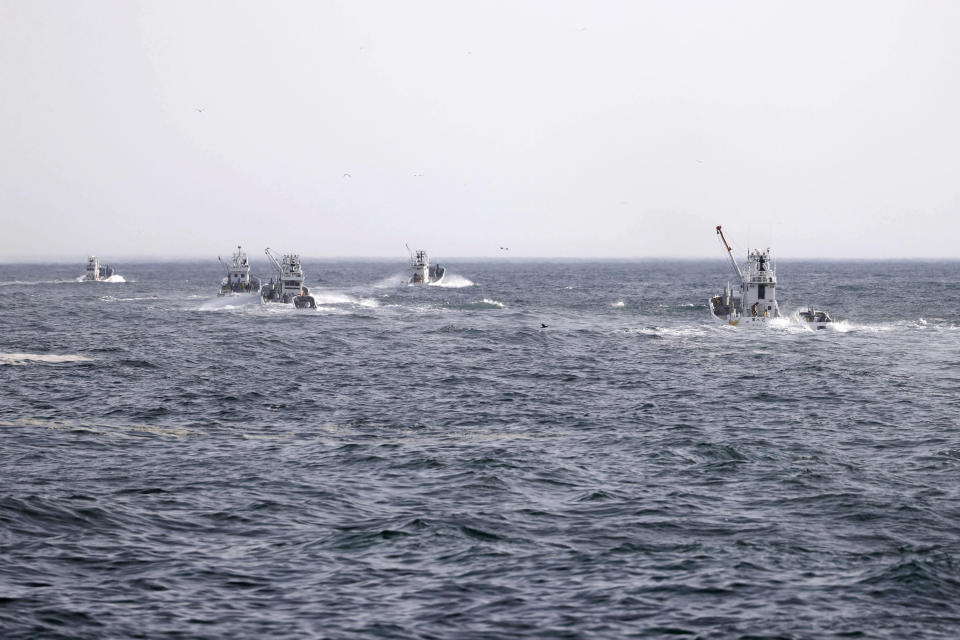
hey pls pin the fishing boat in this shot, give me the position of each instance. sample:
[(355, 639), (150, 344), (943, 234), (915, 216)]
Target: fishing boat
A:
[(754, 301), (815, 319), (288, 285), (423, 271), (97, 272), (238, 279)]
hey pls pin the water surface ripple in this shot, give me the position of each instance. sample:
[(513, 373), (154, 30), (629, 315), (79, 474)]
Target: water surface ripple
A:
[(430, 463)]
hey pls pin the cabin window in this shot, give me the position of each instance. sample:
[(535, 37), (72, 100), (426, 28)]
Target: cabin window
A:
[(762, 291)]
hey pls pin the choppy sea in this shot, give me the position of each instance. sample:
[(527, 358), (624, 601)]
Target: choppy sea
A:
[(431, 462)]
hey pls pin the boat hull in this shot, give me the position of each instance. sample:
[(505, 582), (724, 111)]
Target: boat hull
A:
[(416, 280), (735, 319), (424, 274), (243, 291)]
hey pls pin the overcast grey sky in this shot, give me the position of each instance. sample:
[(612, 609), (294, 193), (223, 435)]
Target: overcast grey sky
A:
[(612, 129)]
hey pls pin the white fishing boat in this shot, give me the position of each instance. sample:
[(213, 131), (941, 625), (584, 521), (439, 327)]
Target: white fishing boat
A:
[(423, 271), (97, 272), (287, 287), (238, 279), (754, 301)]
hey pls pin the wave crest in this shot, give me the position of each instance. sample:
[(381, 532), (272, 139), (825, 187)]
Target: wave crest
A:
[(19, 359)]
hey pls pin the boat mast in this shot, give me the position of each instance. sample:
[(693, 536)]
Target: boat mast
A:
[(730, 253)]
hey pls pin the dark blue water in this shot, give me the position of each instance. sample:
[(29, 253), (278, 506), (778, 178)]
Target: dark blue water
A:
[(430, 463)]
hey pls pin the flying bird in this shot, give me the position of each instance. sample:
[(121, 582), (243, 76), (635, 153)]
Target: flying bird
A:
[(199, 110), (347, 175)]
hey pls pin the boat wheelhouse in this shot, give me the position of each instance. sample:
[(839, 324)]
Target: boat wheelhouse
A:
[(754, 302), (96, 271), (423, 271), (238, 278), (287, 286)]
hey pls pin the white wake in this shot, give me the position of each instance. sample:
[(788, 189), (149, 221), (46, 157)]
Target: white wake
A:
[(16, 359), (115, 278), (452, 281)]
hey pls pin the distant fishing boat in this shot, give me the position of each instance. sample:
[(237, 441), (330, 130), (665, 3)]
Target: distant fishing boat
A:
[(754, 302), (815, 319), (97, 272), (288, 286), (423, 271), (238, 279)]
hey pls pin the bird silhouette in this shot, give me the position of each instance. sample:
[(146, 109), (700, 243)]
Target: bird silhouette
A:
[(201, 110)]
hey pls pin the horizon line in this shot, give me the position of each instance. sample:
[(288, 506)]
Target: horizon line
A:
[(160, 259)]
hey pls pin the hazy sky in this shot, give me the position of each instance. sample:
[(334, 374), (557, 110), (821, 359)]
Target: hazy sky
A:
[(614, 129)]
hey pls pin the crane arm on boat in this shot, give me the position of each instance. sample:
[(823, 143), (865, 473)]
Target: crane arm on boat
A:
[(729, 249), (276, 262)]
